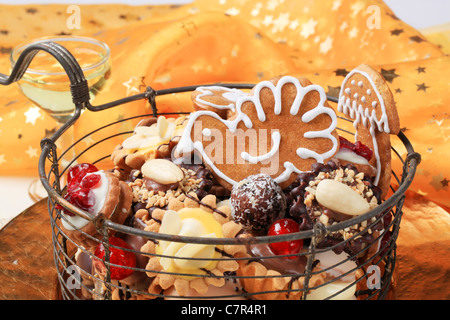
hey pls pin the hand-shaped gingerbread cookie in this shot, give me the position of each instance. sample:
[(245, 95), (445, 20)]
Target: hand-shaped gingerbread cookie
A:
[(280, 128)]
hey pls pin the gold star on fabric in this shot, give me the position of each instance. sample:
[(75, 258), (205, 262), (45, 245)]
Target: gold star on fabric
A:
[(32, 114), (333, 91), (308, 28), (32, 152), (389, 74), (281, 22), (267, 20), (326, 45), (343, 26), (436, 182), (341, 72), (416, 39), (132, 85), (353, 33), (445, 182), (255, 11), (232, 11), (89, 140), (422, 87), (396, 32), (356, 8), (294, 24), (273, 4), (336, 5), (420, 69)]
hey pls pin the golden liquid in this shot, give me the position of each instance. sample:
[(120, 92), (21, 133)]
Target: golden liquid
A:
[(48, 86)]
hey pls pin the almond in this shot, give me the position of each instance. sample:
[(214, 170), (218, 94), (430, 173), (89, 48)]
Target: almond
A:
[(162, 126), (162, 171), (341, 198)]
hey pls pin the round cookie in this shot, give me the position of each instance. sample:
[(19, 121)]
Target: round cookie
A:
[(256, 202), (330, 194), (110, 198), (170, 263)]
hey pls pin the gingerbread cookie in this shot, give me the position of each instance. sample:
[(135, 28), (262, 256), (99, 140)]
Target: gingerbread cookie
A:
[(219, 99), (99, 193), (366, 98), (280, 129), (152, 138)]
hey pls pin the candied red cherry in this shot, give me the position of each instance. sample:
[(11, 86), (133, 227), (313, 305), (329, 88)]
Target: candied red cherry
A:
[(117, 256), (60, 207), (363, 150), (358, 148), (83, 198), (90, 181), (80, 170), (344, 143), (285, 226)]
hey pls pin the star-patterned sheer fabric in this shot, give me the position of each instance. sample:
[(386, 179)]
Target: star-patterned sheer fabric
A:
[(211, 41)]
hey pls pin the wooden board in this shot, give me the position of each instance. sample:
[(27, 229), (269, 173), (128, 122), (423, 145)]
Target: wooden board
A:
[(27, 270)]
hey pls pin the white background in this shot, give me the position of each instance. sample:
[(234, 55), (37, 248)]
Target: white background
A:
[(417, 13)]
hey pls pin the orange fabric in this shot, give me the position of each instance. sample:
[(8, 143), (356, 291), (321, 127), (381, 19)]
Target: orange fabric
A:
[(237, 41)]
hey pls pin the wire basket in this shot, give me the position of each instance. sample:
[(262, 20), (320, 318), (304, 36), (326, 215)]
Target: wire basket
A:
[(372, 277)]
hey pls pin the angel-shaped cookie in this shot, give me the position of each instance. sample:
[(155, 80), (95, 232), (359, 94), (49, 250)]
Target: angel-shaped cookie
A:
[(219, 99), (366, 98), (280, 128)]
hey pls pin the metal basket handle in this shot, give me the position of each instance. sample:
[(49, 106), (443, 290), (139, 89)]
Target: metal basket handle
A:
[(79, 87), (78, 84)]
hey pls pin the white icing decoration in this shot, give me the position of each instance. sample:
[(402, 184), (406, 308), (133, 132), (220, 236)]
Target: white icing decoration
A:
[(363, 99), (358, 113), (347, 91), (369, 92), (276, 138), (186, 145), (374, 104), (360, 84), (349, 155), (231, 94), (289, 169)]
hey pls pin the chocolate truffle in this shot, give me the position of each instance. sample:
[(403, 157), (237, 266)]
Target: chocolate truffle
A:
[(256, 202)]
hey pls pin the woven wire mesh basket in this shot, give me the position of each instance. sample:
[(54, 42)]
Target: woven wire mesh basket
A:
[(372, 277)]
